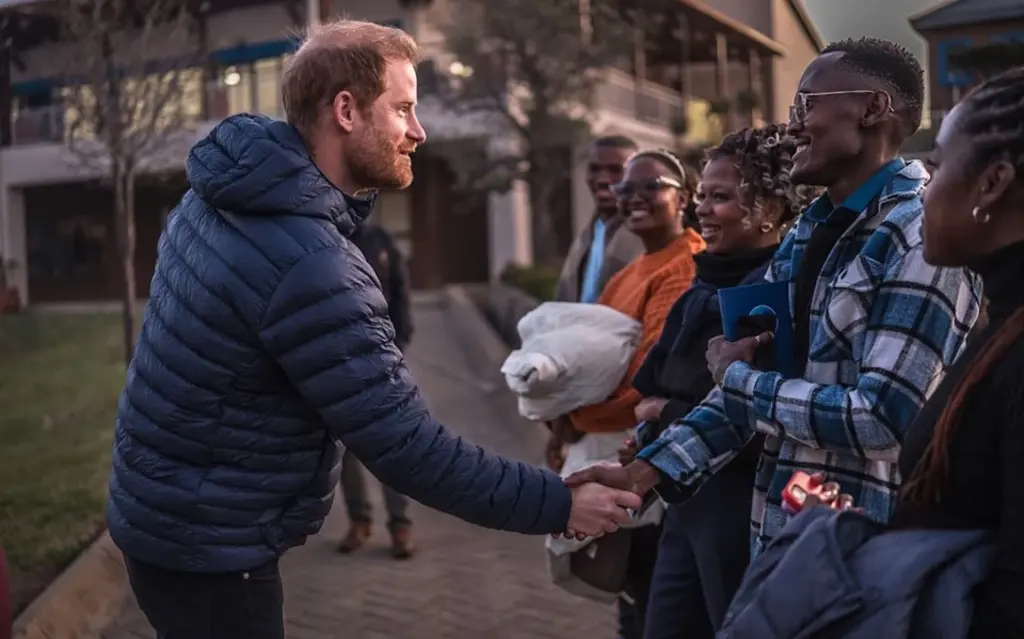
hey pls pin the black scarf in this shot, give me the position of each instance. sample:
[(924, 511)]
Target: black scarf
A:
[(693, 316)]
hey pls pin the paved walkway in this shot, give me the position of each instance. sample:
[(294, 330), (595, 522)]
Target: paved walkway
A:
[(466, 582)]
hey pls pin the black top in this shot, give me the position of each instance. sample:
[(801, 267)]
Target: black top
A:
[(984, 488), (675, 367)]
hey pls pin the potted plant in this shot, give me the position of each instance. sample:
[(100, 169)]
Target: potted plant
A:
[(720, 106), (680, 125), (747, 101)]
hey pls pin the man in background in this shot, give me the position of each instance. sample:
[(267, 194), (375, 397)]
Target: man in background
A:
[(387, 262), (599, 251)]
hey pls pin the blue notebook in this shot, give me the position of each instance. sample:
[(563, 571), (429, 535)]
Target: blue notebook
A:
[(766, 305)]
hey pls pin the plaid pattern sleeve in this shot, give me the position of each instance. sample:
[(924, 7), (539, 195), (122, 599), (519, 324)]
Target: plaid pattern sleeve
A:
[(903, 337), (692, 449)]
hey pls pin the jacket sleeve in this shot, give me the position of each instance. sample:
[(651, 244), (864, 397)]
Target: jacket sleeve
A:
[(400, 306), (915, 328), (326, 325), (646, 379)]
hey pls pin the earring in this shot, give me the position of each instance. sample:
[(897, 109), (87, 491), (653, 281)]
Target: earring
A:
[(766, 227), (979, 216)]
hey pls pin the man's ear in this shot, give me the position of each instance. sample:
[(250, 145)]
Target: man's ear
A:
[(877, 108), (343, 109)]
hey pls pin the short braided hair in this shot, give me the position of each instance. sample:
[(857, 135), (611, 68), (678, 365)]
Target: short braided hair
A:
[(892, 64), (764, 157), (993, 120)]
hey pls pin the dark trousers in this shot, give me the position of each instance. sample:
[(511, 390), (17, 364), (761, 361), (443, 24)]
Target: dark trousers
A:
[(643, 555), (184, 605), (702, 555)]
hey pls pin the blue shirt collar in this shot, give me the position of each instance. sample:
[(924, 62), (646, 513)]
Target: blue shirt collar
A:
[(858, 200)]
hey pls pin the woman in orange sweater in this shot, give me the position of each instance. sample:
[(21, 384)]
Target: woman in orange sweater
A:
[(653, 201)]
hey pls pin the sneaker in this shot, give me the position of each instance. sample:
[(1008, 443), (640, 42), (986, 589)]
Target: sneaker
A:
[(357, 535), (401, 543)]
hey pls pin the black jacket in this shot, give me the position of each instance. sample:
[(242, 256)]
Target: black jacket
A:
[(388, 263)]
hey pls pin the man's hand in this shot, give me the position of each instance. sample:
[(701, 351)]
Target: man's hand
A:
[(597, 510), (562, 433), (638, 477), (628, 452), (554, 452), (721, 353), (649, 409)]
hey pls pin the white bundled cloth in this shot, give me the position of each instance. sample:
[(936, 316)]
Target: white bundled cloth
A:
[(573, 355)]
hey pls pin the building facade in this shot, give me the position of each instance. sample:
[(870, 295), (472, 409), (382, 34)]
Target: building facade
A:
[(958, 25), (57, 231)]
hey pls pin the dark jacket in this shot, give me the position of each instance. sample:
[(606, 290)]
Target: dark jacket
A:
[(831, 574), (265, 346), (388, 264), (676, 367)]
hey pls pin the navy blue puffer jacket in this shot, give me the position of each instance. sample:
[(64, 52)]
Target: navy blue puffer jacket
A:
[(265, 346)]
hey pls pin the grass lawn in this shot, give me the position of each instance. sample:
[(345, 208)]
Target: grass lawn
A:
[(60, 376)]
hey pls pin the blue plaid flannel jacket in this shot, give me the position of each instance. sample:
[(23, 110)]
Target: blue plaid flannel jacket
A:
[(884, 327)]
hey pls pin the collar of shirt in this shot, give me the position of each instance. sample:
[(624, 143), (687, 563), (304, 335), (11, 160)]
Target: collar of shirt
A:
[(857, 201)]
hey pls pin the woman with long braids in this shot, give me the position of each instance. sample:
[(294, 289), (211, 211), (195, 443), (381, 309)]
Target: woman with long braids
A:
[(961, 459), (745, 201)]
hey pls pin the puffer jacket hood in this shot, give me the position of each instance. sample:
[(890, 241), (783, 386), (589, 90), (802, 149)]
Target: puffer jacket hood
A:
[(254, 165)]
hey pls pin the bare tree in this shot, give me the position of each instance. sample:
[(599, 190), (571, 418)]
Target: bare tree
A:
[(131, 91), (535, 65)]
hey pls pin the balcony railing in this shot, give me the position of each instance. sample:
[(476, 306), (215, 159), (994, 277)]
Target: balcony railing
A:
[(639, 99), (48, 124), (37, 125)]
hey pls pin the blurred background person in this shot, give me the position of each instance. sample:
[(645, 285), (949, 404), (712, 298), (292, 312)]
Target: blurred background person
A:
[(378, 247)]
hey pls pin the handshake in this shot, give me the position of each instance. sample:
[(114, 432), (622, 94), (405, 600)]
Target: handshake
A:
[(604, 494)]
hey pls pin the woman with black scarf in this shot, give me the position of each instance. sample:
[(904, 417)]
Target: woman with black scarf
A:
[(745, 202), (962, 457)]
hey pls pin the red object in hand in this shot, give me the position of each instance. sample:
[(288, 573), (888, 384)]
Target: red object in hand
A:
[(803, 488), (6, 600)]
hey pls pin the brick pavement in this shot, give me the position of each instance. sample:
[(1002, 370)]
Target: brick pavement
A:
[(465, 582)]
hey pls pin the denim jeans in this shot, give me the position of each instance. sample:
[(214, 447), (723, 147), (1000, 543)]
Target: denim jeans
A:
[(353, 488), (189, 605)]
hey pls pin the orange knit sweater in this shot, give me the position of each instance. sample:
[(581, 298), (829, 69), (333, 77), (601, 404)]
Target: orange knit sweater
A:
[(646, 291)]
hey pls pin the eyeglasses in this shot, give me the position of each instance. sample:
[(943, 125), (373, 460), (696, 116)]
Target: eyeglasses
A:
[(647, 189), (799, 111)]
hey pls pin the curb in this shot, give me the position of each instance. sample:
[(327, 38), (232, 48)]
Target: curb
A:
[(84, 599), (487, 340)]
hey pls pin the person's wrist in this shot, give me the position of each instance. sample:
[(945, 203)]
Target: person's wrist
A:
[(642, 477)]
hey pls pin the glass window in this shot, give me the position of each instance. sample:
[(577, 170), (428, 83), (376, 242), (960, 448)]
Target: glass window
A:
[(268, 87), (238, 83)]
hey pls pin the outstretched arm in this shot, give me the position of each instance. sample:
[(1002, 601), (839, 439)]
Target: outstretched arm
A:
[(327, 326)]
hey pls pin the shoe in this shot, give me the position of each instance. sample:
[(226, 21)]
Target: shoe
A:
[(357, 535), (401, 543)]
